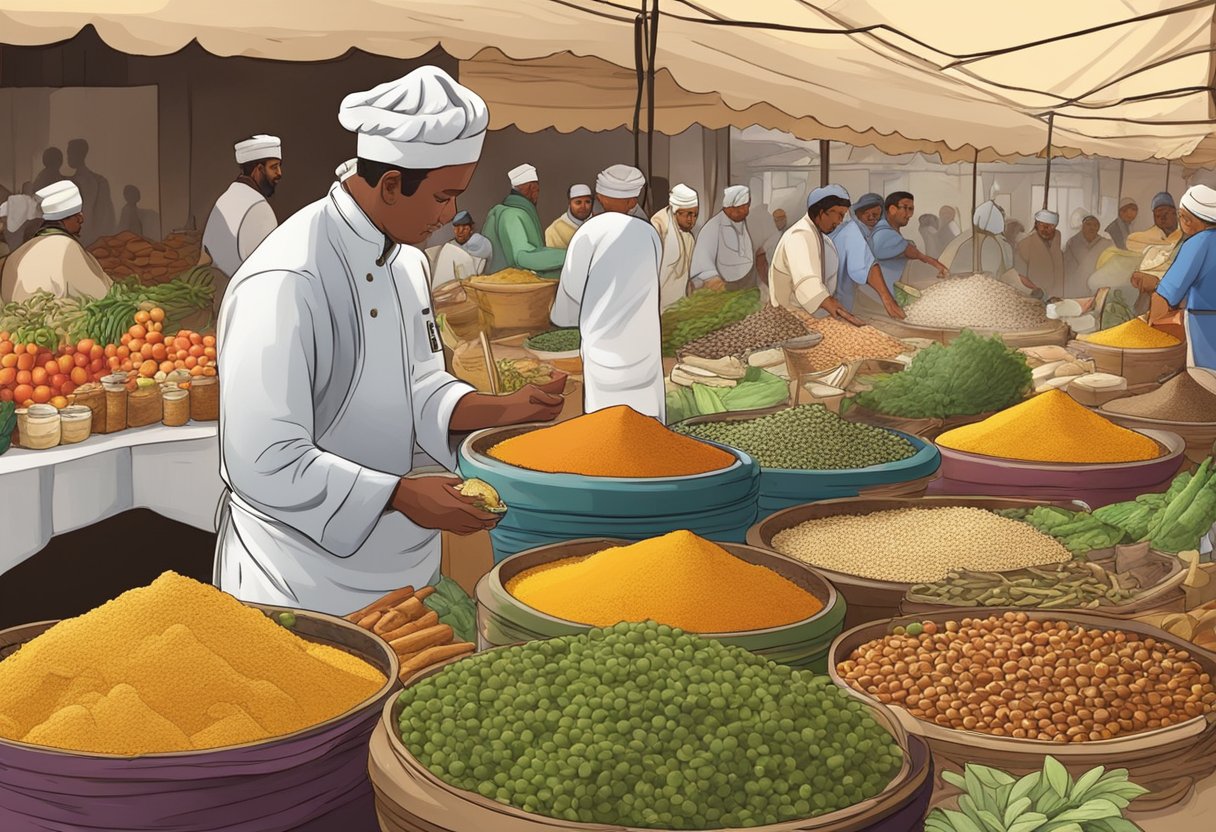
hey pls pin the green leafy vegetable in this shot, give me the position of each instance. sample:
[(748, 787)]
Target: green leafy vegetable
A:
[(703, 312), (8, 422), (454, 608)]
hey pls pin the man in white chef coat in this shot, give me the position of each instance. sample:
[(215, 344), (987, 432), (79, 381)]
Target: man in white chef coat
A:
[(674, 225), (242, 217), (333, 369), (578, 210), (806, 265), (724, 257), (462, 257), (609, 289)]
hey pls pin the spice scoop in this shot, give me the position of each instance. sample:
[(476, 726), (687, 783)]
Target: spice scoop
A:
[(487, 497)]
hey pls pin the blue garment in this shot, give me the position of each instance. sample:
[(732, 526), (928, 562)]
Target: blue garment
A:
[(1191, 278), (856, 260), (889, 246)]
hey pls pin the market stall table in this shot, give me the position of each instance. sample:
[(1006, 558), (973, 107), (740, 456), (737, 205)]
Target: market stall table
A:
[(172, 471)]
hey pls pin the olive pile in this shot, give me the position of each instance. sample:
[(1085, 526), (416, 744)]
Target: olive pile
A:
[(644, 725), (761, 330), (808, 437)]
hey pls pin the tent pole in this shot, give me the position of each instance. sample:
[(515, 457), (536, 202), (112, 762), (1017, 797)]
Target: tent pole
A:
[(1168, 163), (825, 162), (654, 48), (639, 37), (975, 237), (1122, 163), (1051, 122)]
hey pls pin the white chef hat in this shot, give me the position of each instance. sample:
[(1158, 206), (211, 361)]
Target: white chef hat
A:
[(620, 182), (736, 195), (17, 210), (259, 147), (989, 217), (1200, 200), (346, 170), (578, 190), (1049, 217), (682, 196), (424, 120), (522, 175), (60, 200)]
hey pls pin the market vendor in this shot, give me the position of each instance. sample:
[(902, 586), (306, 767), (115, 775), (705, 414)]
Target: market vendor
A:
[(674, 225), (1081, 257), (724, 257), (514, 229), (1190, 280), (1165, 229), (890, 247), (462, 257), (988, 232), (54, 260), (1121, 226), (868, 210), (610, 290), (332, 369), (578, 211), (858, 267), (806, 264), (346, 170), (242, 217), (1039, 258)]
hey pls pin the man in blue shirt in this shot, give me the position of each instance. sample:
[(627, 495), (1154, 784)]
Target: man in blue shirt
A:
[(857, 264), (891, 248), (1191, 278)]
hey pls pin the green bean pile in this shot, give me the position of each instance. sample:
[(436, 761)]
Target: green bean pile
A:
[(41, 319), (106, 319), (644, 725)]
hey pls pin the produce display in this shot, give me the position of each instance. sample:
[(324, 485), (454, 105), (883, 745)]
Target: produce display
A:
[(757, 389), (1051, 427), (642, 725), (42, 319), (557, 340), (918, 545), (412, 629), (771, 326), (844, 343), (127, 254), (1133, 335), (970, 375), (517, 373), (614, 442), (678, 579), (454, 608), (173, 666), (509, 276), (808, 437), (1072, 584), (1173, 521), (8, 423), (976, 302), (703, 312), (106, 319), (1181, 399), (1052, 681), (1079, 531), (995, 801)]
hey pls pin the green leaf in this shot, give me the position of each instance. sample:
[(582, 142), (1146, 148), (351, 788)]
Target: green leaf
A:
[(975, 787), (962, 823), (1085, 782), (1016, 810), (1002, 797), (990, 821), (1097, 809), (1051, 804), (1025, 786), (938, 822), (1119, 824), (1056, 775), (1067, 826), (955, 780), (1029, 822), (993, 778)]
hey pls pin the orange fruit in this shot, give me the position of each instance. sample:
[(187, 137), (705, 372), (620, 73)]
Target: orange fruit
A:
[(68, 389), (204, 361), (97, 352), (6, 346), (208, 371), (127, 366), (146, 351), (125, 339), (167, 367), (136, 344), (79, 375), (195, 338), (6, 395), (51, 366), (148, 369), (191, 362), (59, 402), (209, 352), (97, 365), (81, 359), (25, 377), (123, 352), (42, 394), (157, 314), (25, 362), (196, 371), (155, 327), (58, 380), (22, 392), (115, 362), (85, 345), (197, 350), (5, 336), (179, 365), (208, 340), (9, 360), (39, 376), (31, 349), (159, 352), (155, 337), (141, 317), (111, 350), (138, 331), (66, 363), (8, 376), (181, 343)]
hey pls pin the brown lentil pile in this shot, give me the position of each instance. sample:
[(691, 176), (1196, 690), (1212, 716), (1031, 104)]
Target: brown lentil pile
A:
[(1053, 681), (844, 343), (1181, 399), (762, 330)]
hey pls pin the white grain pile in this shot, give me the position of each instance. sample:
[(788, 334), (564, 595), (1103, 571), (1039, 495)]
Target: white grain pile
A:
[(919, 545), (977, 302)]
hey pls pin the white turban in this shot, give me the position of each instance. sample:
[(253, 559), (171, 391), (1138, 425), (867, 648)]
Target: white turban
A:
[(346, 170), (259, 147), (578, 190), (522, 175), (18, 209), (1200, 200), (1049, 217), (425, 120), (736, 195), (682, 196), (988, 217), (620, 182), (60, 200)]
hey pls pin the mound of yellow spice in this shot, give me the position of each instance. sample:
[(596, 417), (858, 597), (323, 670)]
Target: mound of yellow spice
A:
[(616, 442), (1133, 335), (1051, 427), (678, 579), (173, 666)]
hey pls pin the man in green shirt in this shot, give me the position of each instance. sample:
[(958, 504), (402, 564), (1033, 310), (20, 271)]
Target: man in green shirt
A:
[(515, 232)]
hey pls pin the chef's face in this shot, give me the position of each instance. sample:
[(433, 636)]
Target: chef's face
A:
[(870, 216), (686, 218), (580, 207), (900, 214), (463, 233), (267, 175), (1128, 213), (1166, 218), (738, 213), (829, 220), (1045, 230), (411, 219), (1089, 230)]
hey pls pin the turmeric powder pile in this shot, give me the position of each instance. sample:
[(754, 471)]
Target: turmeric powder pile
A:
[(1133, 335), (616, 442), (677, 579), (1051, 427), (510, 276), (173, 666)]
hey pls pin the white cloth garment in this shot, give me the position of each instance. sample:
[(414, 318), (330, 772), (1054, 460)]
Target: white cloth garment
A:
[(455, 262), (17, 210), (259, 147), (59, 201), (724, 249), (676, 265), (315, 434), (239, 222), (804, 270), (609, 289)]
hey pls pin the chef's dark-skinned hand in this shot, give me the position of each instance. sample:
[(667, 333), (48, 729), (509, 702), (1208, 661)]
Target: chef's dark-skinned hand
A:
[(528, 404), (434, 503)]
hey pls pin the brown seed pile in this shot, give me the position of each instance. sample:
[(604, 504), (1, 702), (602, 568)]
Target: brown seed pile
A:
[(762, 330), (1181, 399), (1052, 681), (844, 343)]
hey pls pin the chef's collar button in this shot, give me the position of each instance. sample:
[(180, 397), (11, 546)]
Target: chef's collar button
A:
[(375, 313), (370, 278)]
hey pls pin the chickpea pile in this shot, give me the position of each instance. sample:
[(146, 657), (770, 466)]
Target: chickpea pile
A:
[(1053, 681)]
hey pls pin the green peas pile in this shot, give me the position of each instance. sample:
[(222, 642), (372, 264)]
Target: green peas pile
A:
[(557, 340), (645, 725), (808, 437)]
